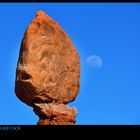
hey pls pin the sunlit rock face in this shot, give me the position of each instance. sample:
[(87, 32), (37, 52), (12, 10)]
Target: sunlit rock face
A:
[(48, 69)]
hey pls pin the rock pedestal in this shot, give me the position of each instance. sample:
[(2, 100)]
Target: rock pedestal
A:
[(55, 114), (48, 71)]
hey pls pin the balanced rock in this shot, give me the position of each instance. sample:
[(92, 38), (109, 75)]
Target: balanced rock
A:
[(48, 69)]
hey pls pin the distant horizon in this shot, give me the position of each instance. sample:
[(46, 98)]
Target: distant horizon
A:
[(106, 36)]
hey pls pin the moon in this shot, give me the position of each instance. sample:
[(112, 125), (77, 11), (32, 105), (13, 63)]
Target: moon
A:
[(94, 61)]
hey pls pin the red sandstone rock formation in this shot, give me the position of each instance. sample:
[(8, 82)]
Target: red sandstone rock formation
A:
[(53, 114), (48, 71)]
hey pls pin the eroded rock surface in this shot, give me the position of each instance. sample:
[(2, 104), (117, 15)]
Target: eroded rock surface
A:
[(55, 114), (48, 69)]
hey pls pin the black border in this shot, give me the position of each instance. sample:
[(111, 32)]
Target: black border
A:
[(69, 1), (69, 131)]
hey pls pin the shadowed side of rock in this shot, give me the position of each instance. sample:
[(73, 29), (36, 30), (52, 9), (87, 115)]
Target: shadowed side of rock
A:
[(55, 114)]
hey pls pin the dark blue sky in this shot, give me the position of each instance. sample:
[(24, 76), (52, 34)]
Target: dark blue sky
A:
[(109, 88)]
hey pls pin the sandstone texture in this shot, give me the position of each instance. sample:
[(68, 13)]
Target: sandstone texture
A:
[(48, 68), (55, 114)]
